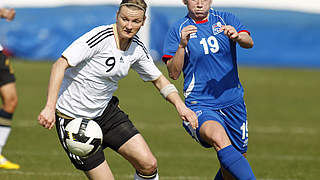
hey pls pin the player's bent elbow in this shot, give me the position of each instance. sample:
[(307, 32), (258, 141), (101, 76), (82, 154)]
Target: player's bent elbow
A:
[(174, 76), (247, 45), (250, 45)]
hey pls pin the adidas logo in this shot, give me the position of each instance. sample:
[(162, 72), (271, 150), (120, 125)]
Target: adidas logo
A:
[(121, 60)]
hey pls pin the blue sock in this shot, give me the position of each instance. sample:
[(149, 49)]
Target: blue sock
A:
[(218, 175), (233, 161)]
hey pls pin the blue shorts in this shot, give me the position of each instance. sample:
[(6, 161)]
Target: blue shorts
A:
[(232, 118)]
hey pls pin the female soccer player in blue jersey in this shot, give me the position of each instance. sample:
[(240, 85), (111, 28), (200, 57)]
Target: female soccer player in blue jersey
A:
[(203, 46), (84, 79)]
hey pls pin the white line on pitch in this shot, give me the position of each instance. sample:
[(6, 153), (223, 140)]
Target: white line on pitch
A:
[(186, 155)]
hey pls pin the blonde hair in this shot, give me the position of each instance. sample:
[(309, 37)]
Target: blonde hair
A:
[(141, 4)]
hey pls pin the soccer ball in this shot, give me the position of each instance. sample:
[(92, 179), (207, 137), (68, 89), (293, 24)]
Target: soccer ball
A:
[(83, 137)]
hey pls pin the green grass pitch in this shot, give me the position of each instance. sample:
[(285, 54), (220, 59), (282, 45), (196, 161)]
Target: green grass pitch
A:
[(283, 114)]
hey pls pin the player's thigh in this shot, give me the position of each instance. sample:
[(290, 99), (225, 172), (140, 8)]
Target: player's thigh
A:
[(9, 97), (138, 153), (214, 134), (211, 130), (8, 91), (101, 172)]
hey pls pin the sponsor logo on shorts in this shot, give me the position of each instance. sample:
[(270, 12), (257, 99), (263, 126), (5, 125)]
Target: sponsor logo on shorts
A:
[(198, 113)]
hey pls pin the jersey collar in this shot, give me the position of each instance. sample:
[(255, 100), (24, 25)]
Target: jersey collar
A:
[(201, 22)]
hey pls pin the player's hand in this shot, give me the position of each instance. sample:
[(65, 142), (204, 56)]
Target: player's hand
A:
[(189, 116), (185, 35), (231, 32), (8, 14), (47, 118)]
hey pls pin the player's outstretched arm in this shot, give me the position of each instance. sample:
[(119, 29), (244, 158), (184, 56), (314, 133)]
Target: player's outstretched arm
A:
[(170, 93), (46, 117), (175, 64), (242, 38), (8, 14)]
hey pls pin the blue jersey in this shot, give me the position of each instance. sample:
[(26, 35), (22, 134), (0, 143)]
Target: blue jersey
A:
[(210, 64)]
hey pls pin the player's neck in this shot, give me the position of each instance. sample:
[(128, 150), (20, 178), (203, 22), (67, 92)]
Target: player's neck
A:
[(124, 44)]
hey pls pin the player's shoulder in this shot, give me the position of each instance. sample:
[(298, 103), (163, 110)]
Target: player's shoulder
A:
[(180, 23), (139, 45), (136, 41), (103, 29), (99, 35), (182, 20), (222, 14)]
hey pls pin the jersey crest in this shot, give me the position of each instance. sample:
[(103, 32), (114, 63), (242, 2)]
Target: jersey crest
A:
[(216, 28)]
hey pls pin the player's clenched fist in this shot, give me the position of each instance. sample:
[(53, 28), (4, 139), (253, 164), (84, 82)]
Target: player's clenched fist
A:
[(185, 35), (47, 118), (231, 32), (8, 14)]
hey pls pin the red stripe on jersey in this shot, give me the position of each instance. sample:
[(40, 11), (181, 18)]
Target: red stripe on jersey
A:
[(244, 31), (165, 58), (201, 22)]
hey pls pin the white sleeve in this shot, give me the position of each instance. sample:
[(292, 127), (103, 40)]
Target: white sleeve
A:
[(146, 68), (81, 49)]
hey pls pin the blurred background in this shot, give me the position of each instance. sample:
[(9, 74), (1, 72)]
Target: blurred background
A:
[(285, 31), (280, 75)]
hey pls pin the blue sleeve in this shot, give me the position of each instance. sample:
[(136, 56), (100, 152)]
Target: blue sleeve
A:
[(171, 43), (235, 22)]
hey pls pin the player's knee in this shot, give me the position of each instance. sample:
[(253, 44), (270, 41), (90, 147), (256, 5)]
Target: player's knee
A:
[(215, 135), (148, 167), (218, 140)]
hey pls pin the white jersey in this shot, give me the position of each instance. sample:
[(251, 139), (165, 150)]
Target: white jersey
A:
[(97, 64)]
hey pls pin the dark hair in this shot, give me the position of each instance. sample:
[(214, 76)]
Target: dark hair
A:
[(141, 4)]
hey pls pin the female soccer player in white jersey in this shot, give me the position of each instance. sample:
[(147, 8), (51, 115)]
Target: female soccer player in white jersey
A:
[(87, 75), (203, 46)]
